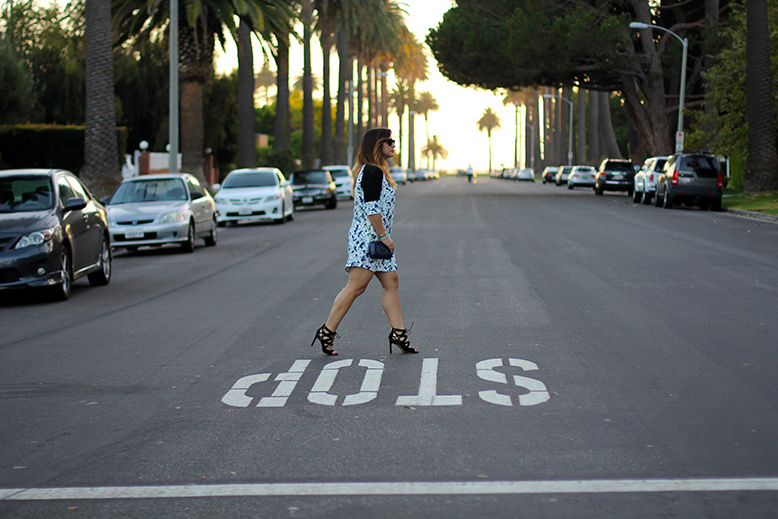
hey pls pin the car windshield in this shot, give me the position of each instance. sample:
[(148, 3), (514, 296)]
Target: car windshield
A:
[(701, 165), (310, 177), (619, 166), (338, 173), (25, 194), (253, 179), (158, 190)]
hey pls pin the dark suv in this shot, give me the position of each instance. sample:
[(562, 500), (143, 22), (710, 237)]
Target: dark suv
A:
[(691, 178), (614, 175)]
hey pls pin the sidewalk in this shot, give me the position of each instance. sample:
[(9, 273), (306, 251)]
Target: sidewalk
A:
[(772, 218)]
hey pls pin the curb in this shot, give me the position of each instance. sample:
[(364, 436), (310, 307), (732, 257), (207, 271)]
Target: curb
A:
[(754, 215)]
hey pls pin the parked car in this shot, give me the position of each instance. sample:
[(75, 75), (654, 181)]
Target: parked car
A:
[(155, 210), (418, 175), (692, 179), (549, 174), (645, 179), (561, 175), (254, 194), (344, 184), (52, 232), (581, 176), (526, 174), (313, 187), (398, 175), (614, 175)]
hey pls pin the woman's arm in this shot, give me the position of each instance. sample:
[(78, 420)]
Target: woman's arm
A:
[(377, 222)]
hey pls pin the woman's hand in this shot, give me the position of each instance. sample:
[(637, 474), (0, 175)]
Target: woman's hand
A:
[(389, 243)]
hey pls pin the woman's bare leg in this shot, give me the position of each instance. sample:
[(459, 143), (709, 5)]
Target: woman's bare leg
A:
[(390, 298), (358, 279)]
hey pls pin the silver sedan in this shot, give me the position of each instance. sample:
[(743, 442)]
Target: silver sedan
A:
[(154, 210)]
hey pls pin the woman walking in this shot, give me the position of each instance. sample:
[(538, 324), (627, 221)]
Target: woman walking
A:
[(374, 195)]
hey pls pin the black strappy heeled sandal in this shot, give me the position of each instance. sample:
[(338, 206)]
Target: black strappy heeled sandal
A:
[(326, 338), (399, 337)]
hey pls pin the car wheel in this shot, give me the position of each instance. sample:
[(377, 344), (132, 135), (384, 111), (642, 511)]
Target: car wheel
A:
[(569, 185), (657, 199), (667, 200), (716, 205), (598, 190), (332, 204), (103, 276), (212, 238), (189, 244), (221, 224), (636, 196), (61, 291), (646, 198)]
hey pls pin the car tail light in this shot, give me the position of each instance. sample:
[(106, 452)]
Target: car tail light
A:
[(720, 182), (674, 180), (651, 177)]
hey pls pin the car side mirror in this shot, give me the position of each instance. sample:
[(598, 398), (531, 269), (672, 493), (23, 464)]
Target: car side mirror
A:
[(216, 187), (286, 183), (75, 204), (105, 200)]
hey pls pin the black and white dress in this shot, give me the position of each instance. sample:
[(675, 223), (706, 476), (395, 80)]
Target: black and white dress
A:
[(373, 194)]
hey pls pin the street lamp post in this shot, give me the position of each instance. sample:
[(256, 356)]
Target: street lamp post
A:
[(570, 138), (682, 93)]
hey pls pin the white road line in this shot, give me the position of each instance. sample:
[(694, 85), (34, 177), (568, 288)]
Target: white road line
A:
[(394, 489)]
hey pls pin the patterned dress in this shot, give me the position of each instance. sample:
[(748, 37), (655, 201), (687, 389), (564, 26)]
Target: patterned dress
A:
[(373, 194)]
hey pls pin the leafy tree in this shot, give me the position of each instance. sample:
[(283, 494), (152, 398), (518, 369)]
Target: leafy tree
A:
[(17, 95), (518, 43), (489, 121)]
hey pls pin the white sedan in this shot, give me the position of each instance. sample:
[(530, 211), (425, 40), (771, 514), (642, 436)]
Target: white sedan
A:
[(344, 185), (254, 194), (581, 176)]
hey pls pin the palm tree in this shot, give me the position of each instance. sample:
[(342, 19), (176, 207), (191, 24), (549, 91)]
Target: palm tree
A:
[(327, 21), (515, 98), (265, 79), (399, 99), (101, 155), (247, 148), (489, 121), (298, 82), (424, 105), (201, 22), (411, 65), (435, 150), (309, 139), (762, 156)]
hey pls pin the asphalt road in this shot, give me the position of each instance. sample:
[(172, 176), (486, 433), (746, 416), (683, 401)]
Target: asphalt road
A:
[(581, 356)]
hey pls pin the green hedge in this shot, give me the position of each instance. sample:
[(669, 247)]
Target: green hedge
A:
[(47, 146)]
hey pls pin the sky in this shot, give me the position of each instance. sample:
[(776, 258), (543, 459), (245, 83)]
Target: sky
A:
[(455, 123)]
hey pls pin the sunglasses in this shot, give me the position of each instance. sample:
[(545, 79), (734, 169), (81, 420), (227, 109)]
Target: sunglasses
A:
[(390, 142)]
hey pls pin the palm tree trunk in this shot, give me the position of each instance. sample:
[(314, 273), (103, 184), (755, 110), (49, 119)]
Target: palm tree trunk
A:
[(101, 157), (489, 137), (326, 108), (594, 127), (343, 78), (247, 149), (360, 129), (309, 141), (761, 172), (411, 116), (581, 144), (281, 126)]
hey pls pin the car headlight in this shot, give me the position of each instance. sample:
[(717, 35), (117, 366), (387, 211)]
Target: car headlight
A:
[(35, 238), (177, 216), (273, 198)]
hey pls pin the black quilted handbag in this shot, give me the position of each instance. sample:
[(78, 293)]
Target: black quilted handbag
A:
[(377, 250)]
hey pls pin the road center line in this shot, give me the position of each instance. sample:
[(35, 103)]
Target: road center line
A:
[(398, 488)]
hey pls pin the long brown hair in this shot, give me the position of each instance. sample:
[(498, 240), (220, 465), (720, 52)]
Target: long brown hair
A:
[(370, 153)]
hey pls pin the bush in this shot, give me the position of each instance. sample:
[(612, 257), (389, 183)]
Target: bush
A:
[(47, 146)]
